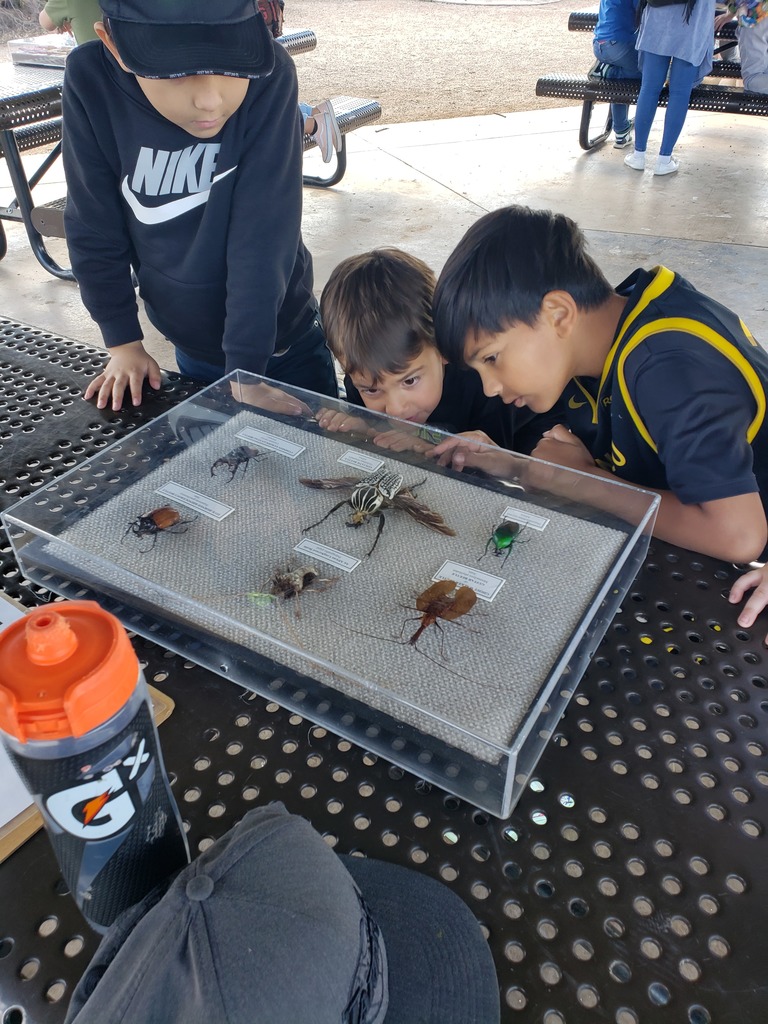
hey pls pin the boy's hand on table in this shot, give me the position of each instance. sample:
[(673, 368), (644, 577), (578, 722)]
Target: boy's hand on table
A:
[(264, 396), (402, 441), (128, 366), (458, 451), (560, 446), (340, 422), (757, 578)]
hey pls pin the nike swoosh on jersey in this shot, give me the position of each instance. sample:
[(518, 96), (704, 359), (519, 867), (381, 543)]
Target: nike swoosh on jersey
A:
[(573, 404), (171, 210)]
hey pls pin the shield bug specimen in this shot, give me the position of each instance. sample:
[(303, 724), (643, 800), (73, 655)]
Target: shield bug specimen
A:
[(165, 519), (236, 458), (503, 538), (372, 495)]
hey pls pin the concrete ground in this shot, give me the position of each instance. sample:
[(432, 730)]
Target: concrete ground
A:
[(420, 185)]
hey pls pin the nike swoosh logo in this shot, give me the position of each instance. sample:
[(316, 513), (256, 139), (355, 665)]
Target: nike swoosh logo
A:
[(573, 404), (171, 210)]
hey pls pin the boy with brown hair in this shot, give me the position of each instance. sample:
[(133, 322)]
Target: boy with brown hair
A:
[(377, 315)]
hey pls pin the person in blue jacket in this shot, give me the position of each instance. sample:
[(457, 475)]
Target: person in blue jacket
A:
[(182, 151), (616, 57)]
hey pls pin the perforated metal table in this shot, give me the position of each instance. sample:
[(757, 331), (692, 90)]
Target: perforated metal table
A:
[(631, 882)]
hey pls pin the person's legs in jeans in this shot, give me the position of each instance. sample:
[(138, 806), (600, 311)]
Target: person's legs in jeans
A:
[(682, 78), (753, 47), (306, 361), (655, 67), (622, 58), (198, 369)]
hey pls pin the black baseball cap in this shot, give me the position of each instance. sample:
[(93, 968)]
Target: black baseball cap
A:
[(176, 38), (270, 925)]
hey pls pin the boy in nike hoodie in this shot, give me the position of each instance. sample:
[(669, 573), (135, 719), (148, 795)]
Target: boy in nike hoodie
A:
[(183, 157)]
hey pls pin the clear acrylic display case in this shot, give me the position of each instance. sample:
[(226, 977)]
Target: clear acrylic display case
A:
[(196, 529)]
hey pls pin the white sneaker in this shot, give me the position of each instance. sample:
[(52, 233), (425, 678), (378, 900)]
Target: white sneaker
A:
[(666, 165), (635, 160), (326, 134)]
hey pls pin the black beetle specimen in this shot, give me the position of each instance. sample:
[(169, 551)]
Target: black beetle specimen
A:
[(238, 457)]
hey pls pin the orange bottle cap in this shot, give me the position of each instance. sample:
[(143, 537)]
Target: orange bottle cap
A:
[(66, 669)]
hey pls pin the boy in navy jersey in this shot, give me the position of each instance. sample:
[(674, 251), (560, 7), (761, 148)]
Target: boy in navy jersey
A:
[(183, 158), (664, 387), (377, 313)]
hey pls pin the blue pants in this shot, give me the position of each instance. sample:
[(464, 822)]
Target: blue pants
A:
[(682, 78), (622, 57), (303, 361)]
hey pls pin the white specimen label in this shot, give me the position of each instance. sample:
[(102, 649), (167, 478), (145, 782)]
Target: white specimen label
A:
[(484, 584), (323, 553), (201, 503), (517, 515), (361, 461), (261, 439)]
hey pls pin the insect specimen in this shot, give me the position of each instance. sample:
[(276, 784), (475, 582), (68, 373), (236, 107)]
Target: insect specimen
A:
[(238, 457), (288, 583), (503, 538), (165, 519), (440, 602), (372, 495)]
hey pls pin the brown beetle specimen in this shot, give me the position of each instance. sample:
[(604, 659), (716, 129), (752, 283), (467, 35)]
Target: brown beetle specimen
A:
[(165, 519)]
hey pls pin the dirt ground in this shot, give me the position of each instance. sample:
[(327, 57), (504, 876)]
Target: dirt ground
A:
[(424, 60), (420, 59)]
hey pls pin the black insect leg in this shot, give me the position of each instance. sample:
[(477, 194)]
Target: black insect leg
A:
[(334, 509), (378, 532)]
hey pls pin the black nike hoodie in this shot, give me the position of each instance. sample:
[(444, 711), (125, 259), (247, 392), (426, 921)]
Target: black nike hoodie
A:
[(211, 227)]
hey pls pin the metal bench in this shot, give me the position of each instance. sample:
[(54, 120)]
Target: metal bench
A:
[(726, 99), (47, 220), (586, 21)]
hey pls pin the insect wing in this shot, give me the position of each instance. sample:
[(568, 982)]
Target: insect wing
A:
[(330, 483), (164, 518), (422, 513), (505, 534), (433, 593), (389, 484), (463, 602)]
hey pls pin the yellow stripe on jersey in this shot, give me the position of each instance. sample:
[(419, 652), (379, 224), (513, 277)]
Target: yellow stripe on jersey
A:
[(662, 280), (699, 330)]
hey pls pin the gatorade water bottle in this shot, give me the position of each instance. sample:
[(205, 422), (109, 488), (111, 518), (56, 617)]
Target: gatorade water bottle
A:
[(77, 723)]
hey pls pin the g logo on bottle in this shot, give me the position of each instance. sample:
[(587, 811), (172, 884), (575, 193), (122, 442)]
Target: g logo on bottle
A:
[(104, 806)]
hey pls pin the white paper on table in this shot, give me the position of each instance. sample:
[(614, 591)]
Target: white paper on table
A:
[(14, 797)]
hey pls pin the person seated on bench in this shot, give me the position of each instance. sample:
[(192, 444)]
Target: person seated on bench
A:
[(666, 388), (752, 33), (676, 39), (377, 313), (78, 17), (183, 158), (319, 121), (614, 47)]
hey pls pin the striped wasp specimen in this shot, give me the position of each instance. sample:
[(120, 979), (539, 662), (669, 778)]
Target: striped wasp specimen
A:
[(374, 494)]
